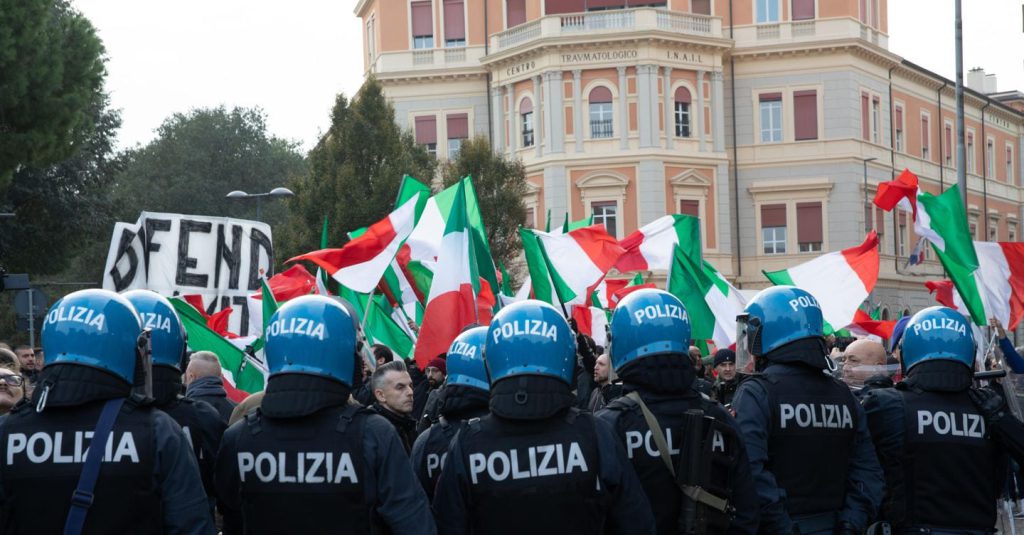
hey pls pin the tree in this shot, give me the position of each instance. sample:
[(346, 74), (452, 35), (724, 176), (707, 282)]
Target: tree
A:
[(354, 172), (51, 82), (500, 185), (200, 156)]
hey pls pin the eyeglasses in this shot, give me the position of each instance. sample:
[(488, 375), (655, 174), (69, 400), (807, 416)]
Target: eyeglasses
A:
[(13, 380)]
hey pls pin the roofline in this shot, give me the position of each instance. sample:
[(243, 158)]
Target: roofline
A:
[(981, 96)]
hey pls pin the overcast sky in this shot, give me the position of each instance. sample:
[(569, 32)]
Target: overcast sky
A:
[(292, 58)]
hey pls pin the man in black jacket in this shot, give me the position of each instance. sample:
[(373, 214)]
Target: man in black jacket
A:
[(203, 383), (393, 391)]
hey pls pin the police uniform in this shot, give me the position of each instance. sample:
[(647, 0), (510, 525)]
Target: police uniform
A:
[(943, 468), (535, 464), (149, 481), (811, 455), (463, 397), (648, 332), (308, 460)]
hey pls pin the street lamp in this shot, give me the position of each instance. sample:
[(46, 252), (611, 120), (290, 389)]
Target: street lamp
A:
[(274, 193), (867, 205)]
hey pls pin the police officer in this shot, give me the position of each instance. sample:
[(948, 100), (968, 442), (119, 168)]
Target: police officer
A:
[(649, 331), (535, 464), (810, 452), (308, 460), (51, 480), (198, 419), (944, 471), (465, 396)]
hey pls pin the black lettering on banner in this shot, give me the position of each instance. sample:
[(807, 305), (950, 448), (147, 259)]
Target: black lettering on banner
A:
[(232, 257), (182, 276), (258, 239), (125, 249), (151, 227), (242, 303)]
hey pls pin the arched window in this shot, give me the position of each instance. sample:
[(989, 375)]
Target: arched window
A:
[(682, 112), (601, 113), (526, 114)]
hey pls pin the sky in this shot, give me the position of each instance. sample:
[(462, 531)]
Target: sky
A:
[(292, 58)]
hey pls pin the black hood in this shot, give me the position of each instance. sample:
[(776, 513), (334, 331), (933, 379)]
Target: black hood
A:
[(530, 397), (67, 385), (939, 376), (459, 402), (293, 395), (669, 373), (166, 385), (811, 352)]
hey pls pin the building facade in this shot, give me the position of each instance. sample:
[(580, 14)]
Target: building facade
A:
[(771, 120)]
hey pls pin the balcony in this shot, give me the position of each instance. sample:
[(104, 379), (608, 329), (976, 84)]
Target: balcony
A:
[(427, 60), (799, 31), (607, 23)]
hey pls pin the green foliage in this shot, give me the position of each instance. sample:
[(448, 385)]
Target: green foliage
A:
[(500, 185), (51, 83), (354, 172), (200, 156)]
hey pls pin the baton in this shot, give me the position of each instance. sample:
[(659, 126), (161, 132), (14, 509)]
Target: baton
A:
[(992, 374)]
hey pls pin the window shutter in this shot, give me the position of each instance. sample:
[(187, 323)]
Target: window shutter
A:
[(600, 94), (803, 9), (458, 126), (865, 122), (879, 221), (689, 207), (454, 19), (516, 13), (682, 95), (899, 118), (808, 222), (564, 6), (773, 215), (422, 21), (525, 106), (426, 130), (770, 97), (805, 109), (701, 7)]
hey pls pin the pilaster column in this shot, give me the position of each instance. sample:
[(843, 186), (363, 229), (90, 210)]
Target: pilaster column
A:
[(700, 111), (512, 123), (497, 121), (623, 110), (577, 109), (670, 131), (540, 113), (718, 110), (556, 114)]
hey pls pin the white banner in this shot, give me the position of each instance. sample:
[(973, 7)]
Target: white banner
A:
[(218, 258)]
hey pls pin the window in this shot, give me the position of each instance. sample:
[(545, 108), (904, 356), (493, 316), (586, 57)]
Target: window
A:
[(1011, 232), (771, 117), (970, 152), (947, 144), (426, 133), (876, 119), (901, 235), (689, 207), (606, 213), (805, 114), (422, 25), (773, 228), (993, 230), (371, 39), (530, 221), (767, 11), (454, 23), (601, 113), (974, 228), (700, 7), (526, 112), (808, 226), (458, 130), (869, 12), (1009, 164), (879, 225), (899, 128), (553, 7), (682, 112), (516, 12), (865, 117), (926, 136), (990, 159), (803, 9)]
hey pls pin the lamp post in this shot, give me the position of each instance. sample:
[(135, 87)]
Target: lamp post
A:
[(274, 193), (867, 205)]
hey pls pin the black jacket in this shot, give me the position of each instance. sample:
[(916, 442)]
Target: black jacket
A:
[(211, 390), (404, 425)]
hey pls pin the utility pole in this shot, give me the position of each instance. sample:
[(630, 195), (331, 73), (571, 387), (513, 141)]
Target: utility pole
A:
[(961, 148)]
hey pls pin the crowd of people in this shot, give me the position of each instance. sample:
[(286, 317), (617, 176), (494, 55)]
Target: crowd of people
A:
[(523, 425)]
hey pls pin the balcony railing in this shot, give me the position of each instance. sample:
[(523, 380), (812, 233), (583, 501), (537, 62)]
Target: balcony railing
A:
[(428, 59), (614, 21), (601, 129), (807, 30)]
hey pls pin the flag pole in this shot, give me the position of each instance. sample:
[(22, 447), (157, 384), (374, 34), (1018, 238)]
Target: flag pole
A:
[(366, 313)]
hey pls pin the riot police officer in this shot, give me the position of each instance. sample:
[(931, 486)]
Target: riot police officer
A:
[(649, 330), (464, 397), (535, 464), (199, 420), (944, 471), (51, 477), (308, 460), (811, 456)]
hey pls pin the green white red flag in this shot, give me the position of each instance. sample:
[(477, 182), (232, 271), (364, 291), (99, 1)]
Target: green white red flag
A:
[(651, 247), (574, 262)]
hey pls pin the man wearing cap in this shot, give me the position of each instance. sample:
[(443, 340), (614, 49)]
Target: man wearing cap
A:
[(436, 372), (728, 378)]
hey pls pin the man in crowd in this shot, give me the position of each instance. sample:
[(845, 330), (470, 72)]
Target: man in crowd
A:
[(393, 392), (12, 388), (728, 377), (606, 386), (203, 383), (586, 483), (149, 481), (810, 451), (356, 477), (865, 368), (700, 382), (29, 364), (435, 373)]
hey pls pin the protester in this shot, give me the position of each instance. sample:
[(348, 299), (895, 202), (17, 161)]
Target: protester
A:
[(354, 476), (1010, 354), (813, 474), (252, 401), (866, 367), (700, 382), (574, 477), (11, 389), (607, 387), (27, 358), (728, 377), (393, 392), (464, 397), (149, 481), (649, 353), (435, 372), (203, 382)]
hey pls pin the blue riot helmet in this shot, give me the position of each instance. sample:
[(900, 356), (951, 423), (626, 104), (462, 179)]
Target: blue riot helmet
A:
[(466, 360), (778, 316), (937, 333), (530, 338), (313, 335), (646, 323), (95, 328), (158, 316)]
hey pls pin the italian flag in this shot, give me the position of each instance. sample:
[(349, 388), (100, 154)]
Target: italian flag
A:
[(360, 263), (241, 374), (593, 322), (869, 324), (994, 290), (711, 302), (652, 246), (840, 281), (574, 262), (451, 304)]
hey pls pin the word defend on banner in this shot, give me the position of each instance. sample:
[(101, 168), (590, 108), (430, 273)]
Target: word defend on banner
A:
[(219, 258)]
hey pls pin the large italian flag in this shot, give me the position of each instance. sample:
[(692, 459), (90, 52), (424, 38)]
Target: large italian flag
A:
[(360, 263), (451, 304), (994, 290), (574, 262), (711, 302), (840, 281), (652, 246)]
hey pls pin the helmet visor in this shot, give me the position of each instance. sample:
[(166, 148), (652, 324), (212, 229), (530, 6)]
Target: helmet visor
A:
[(744, 339)]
